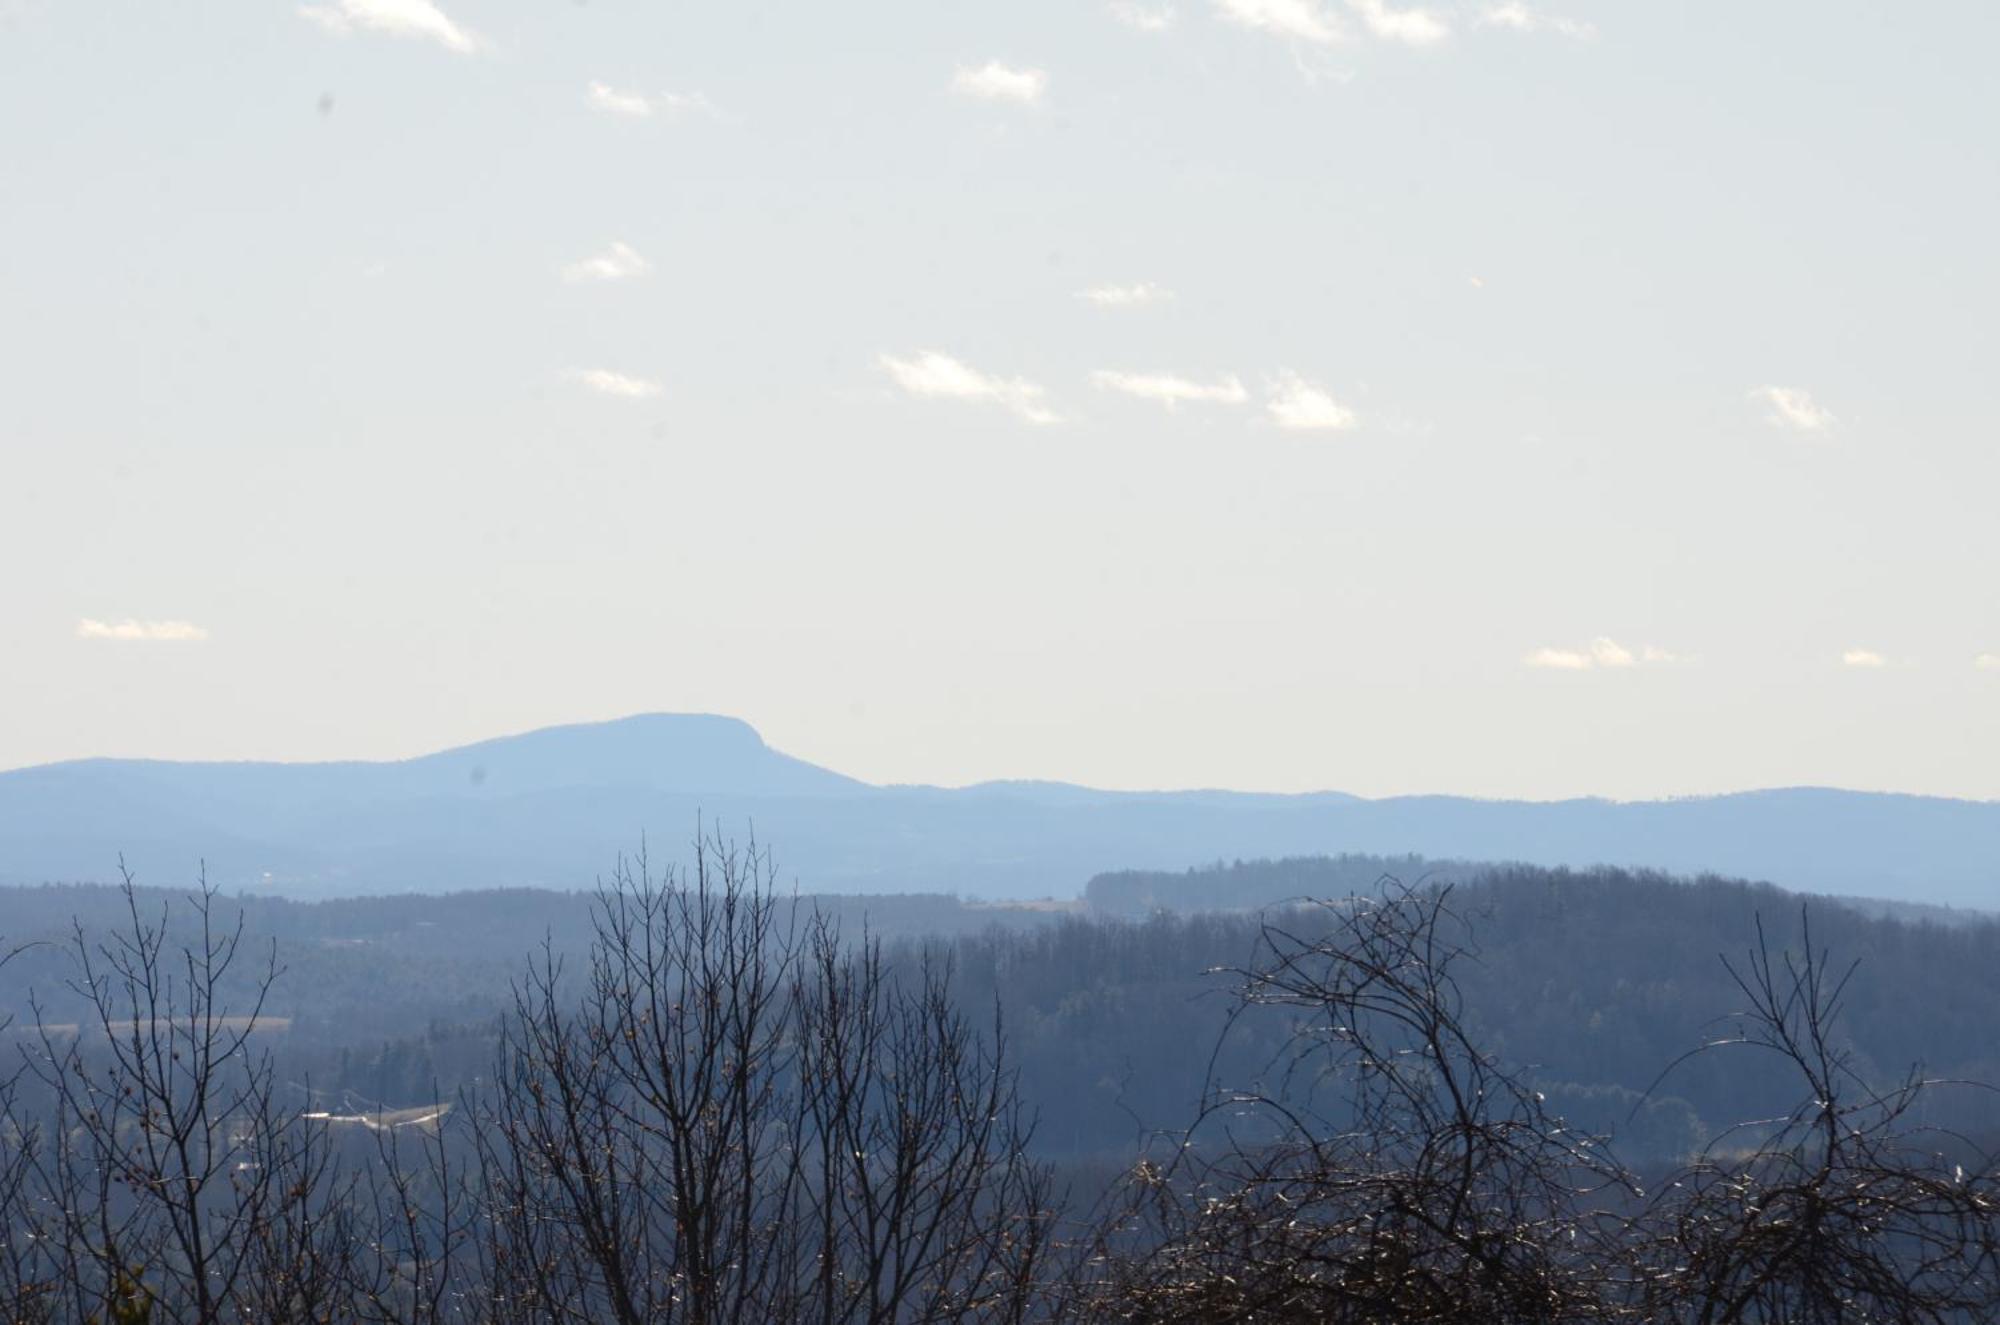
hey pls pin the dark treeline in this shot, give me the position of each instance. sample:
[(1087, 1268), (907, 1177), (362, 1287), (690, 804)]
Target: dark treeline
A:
[(695, 1098), (1590, 981), (361, 970), (1249, 885), (723, 1111)]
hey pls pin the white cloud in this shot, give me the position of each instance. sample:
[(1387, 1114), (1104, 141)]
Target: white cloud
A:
[(173, 632), (1301, 20), (1567, 660), (1600, 652), (605, 97), (1171, 391), (1308, 20), (1143, 17), (1863, 658), (1294, 402), (1610, 653), (638, 105), (1794, 409), (605, 382), (994, 81), (1126, 296), (687, 103), (1987, 662), (618, 263), (931, 374), (1521, 18), (1412, 27), (395, 18)]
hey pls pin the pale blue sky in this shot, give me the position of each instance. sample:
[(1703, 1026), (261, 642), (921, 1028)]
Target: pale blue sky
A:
[(1577, 397)]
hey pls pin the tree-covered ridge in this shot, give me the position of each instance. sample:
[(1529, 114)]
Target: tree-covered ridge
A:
[(1592, 980), (1248, 885), (1397, 1104)]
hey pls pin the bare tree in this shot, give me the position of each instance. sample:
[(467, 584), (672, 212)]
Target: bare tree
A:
[(29, 1286), (1842, 1210), (1391, 1171), (155, 1093), (158, 1178), (730, 1112), (735, 1117), (912, 1141), (1388, 1171)]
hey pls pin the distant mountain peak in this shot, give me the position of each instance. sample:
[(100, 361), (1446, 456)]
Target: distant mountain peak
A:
[(558, 802), (678, 752), (708, 729)]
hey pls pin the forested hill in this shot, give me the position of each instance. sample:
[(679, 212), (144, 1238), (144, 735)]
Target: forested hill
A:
[(1250, 885), (541, 809), (1595, 981)]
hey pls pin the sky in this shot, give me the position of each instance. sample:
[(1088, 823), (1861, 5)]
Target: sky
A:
[(1507, 399)]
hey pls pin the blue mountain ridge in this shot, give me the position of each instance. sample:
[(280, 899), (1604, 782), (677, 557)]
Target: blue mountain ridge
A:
[(556, 807)]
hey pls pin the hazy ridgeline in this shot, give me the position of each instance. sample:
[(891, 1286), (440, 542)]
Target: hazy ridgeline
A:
[(1592, 980), (535, 810), (466, 1049)]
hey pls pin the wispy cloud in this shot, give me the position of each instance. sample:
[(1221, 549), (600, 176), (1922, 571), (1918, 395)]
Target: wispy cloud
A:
[(638, 105), (1794, 409), (1600, 652), (395, 18), (166, 632), (1301, 20), (1412, 27), (1293, 402), (1146, 18), (1610, 653), (1126, 296), (1521, 18), (607, 383), (1863, 658), (620, 262), (994, 81), (1987, 662), (1170, 391), (931, 374), (1565, 660), (603, 96)]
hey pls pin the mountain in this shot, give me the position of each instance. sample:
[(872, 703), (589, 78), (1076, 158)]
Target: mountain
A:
[(556, 807)]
